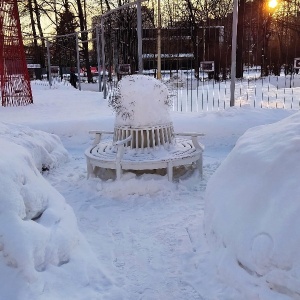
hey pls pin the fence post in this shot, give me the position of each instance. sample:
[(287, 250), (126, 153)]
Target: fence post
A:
[(140, 37), (233, 51), (98, 57), (103, 59), (49, 63), (78, 62)]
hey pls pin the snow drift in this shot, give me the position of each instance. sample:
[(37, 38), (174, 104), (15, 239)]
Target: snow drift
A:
[(46, 149), (252, 208), (38, 229)]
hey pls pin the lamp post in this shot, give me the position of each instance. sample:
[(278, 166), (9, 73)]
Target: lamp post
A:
[(233, 51), (140, 37), (158, 75)]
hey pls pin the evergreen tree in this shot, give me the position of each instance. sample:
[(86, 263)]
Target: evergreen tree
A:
[(65, 46)]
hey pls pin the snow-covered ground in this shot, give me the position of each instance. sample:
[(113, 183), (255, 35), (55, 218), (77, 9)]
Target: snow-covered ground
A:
[(64, 237)]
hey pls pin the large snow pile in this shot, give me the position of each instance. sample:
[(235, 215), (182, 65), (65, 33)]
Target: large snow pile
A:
[(40, 244), (253, 208), (141, 100), (46, 149)]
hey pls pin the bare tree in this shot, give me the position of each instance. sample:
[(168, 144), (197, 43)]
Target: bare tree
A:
[(240, 39), (84, 39), (28, 10), (37, 12)]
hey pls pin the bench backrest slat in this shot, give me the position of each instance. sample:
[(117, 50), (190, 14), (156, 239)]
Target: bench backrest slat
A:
[(148, 137)]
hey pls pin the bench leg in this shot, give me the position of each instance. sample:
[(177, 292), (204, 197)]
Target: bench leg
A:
[(120, 152), (199, 164), (90, 169), (170, 171), (118, 170)]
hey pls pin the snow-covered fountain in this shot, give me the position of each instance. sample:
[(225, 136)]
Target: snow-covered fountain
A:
[(143, 136)]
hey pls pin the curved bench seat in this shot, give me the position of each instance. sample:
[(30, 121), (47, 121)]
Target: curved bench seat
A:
[(118, 156)]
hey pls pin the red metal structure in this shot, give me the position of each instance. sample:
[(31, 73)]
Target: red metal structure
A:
[(14, 78)]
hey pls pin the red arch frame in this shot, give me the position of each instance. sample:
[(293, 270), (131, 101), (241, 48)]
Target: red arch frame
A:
[(14, 77)]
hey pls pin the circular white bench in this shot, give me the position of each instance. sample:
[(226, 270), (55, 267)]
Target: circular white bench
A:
[(143, 148)]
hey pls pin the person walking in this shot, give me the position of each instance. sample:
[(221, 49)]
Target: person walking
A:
[(73, 77)]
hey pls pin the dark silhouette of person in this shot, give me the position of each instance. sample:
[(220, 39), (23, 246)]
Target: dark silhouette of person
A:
[(73, 77)]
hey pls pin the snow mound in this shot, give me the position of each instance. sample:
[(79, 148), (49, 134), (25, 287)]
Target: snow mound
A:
[(46, 149), (141, 100), (257, 222), (40, 244), (56, 85), (177, 81), (130, 185)]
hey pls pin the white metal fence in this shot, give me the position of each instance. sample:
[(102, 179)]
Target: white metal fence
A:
[(194, 60)]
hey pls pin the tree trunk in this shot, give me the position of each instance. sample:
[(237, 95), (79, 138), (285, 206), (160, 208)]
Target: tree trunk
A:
[(194, 37), (84, 39), (38, 23), (240, 34), (36, 53)]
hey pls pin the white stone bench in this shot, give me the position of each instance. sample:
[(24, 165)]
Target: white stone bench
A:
[(143, 148), (143, 138)]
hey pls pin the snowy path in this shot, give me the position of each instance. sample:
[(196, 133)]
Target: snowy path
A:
[(150, 241), (146, 232)]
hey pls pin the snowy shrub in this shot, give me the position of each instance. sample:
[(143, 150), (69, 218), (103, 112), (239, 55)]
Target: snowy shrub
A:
[(141, 100), (252, 210)]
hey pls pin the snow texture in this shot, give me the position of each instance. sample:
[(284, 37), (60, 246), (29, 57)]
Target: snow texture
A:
[(252, 205), (141, 100), (38, 229), (232, 235)]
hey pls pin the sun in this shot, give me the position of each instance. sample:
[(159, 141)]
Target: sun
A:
[(273, 3)]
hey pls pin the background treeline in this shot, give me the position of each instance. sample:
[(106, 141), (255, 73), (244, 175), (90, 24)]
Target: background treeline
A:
[(267, 37)]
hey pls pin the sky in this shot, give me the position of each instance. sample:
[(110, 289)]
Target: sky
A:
[(230, 235)]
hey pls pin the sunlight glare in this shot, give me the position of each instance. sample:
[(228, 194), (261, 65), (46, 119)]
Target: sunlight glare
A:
[(272, 3)]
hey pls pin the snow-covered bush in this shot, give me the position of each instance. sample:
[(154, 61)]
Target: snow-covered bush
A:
[(141, 100), (252, 211)]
